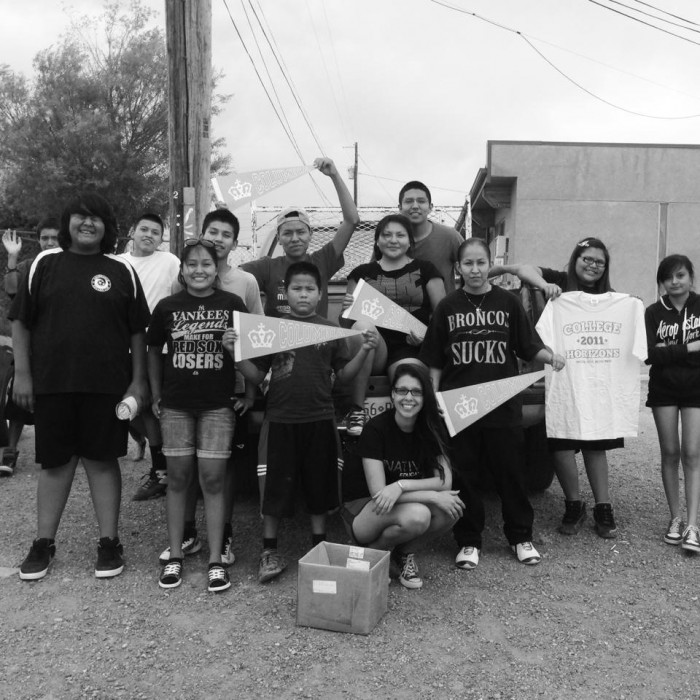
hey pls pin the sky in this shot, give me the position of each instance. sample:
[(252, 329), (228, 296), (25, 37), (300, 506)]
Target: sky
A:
[(422, 87)]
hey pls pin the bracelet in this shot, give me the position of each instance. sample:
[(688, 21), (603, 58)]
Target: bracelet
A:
[(400, 485), (11, 269)]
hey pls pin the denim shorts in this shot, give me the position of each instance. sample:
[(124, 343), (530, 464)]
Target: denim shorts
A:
[(206, 433)]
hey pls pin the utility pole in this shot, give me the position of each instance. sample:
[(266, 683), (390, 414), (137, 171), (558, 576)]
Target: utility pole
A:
[(188, 33), (352, 173)]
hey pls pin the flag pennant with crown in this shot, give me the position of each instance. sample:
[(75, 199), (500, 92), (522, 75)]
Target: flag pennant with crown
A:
[(241, 188), (464, 406), (370, 304), (265, 335)]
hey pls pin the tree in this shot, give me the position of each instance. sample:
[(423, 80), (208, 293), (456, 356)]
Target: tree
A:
[(93, 117)]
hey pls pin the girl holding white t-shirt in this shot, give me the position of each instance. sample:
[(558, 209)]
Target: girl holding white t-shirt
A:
[(588, 271)]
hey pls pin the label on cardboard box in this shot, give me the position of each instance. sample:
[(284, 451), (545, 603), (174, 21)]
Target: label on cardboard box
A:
[(324, 587), (358, 564), (356, 552)]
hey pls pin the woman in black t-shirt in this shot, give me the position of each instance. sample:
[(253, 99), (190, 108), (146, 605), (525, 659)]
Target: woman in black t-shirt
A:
[(406, 492), (588, 271)]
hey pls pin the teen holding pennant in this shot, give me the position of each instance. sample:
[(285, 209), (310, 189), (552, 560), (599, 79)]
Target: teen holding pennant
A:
[(475, 336)]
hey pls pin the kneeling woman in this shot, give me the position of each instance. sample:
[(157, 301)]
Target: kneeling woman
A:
[(408, 481)]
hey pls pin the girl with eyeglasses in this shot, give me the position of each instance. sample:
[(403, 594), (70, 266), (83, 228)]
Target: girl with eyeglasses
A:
[(405, 490), (193, 396), (476, 335), (673, 346), (588, 270)]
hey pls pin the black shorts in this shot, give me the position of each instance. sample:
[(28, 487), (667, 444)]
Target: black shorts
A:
[(307, 452), (661, 395), (85, 425), (560, 444)]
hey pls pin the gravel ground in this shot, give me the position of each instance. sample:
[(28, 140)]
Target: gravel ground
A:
[(597, 618)]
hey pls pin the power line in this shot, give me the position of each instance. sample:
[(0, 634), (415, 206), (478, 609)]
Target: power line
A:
[(670, 14), (391, 179), (381, 184), (641, 21), (551, 63), (649, 14)]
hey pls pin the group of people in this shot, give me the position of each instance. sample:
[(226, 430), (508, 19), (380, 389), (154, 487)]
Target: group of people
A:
[(91, 329)]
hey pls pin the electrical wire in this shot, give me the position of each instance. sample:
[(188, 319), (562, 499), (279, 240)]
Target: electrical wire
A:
[(561, 72), (392, 179), (649, 14), (381, 184), (670, 14)]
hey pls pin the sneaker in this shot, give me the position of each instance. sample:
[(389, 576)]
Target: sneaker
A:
[(355, 422), (674, 534), (8, 461), (526, 553), (110, 560), (218, 578), (151, 487), (37, 563), (271, 565), (691, 539), (467, 558), (574, 515), (171, 574), (604, 520), (190, 545), (410, 575), (227, 555)]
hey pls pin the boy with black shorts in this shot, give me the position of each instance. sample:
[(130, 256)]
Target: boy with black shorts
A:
[(302, 440), (78, 324)]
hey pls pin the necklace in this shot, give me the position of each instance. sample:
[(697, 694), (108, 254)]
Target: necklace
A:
[(471, 301)]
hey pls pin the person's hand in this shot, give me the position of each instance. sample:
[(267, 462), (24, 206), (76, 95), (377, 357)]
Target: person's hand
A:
[(23, 391), (414, 339), (371, 339), (12, 242), (450, 503), (155, 407), (139, 390), (347, 301), (385, 499), (557, 362), (229, 338), (551, 291), (243, 404), (326, 166)]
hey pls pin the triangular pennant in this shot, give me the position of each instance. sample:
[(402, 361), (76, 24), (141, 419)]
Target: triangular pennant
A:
[(240, 188), (464, 406), (370, 304), (265, 335)]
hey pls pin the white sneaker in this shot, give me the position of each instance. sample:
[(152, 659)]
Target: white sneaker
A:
[(190, 545), (526, 553), (227, 555), (467, 558)]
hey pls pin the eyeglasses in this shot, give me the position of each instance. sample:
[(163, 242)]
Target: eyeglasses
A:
[(191, 242), (592, 262), (403, 391)]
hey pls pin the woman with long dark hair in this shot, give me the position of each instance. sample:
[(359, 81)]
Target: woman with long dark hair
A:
[(407, 488)]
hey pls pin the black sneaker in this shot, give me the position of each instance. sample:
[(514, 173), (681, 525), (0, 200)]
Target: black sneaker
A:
[(604, 520), (574, 515), (8, 461), (218, 578), (152, 486), (38, 560), (110, 560), (171, 574)]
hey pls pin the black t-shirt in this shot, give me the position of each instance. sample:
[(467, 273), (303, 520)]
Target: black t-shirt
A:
[(399, 452), (198, 373), (477, 338), (81, 312)]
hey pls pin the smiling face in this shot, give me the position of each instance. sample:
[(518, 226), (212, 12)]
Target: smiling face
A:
[(590, 266), (393, 242), (86, 233), (679, 284), (294, 237), (147, 236), (407, 397), (416, 206), (473, 267), (222, 235), (303, 295), (199, 271)]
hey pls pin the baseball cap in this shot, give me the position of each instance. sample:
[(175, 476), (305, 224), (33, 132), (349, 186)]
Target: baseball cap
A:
[(293, 214)]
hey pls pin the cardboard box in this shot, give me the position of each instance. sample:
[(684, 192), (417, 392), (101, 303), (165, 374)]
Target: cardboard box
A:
[(342, 588)]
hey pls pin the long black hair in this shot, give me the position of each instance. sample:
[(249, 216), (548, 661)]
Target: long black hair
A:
[(90, 204), (429, 427)]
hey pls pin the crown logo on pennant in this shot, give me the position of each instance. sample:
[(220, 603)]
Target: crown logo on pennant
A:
[(372, 308), (466, 407), (240, 190), (261, 337)]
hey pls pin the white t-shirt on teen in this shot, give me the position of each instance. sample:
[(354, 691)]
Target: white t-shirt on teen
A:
[(156, 272), (603, 339)]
